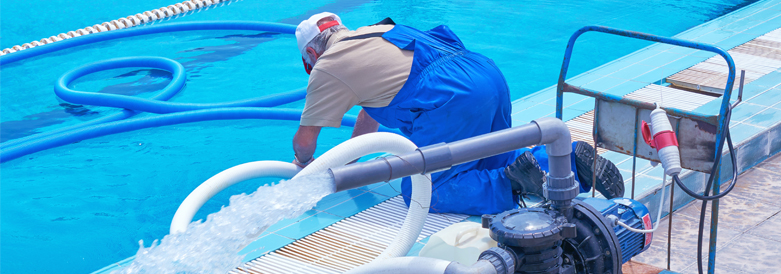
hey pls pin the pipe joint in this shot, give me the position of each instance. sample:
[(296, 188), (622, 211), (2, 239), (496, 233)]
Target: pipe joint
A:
[(504, 261), (405, 165), (382, 170), (561, 189), (436, 158), (555, 135), (480, 267)]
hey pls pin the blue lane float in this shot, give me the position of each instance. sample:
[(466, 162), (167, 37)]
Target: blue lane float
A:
[(144, 30)]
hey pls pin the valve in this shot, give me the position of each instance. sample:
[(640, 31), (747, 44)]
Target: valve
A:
[(663, 139)]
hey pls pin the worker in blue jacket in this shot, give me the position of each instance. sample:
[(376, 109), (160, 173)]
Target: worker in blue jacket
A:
[(431, 88)]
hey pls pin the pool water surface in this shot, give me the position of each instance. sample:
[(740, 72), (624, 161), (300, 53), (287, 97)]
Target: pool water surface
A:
[(85, 205)]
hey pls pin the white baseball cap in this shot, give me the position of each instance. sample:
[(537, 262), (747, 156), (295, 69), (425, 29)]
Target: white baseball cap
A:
[(308, 29)]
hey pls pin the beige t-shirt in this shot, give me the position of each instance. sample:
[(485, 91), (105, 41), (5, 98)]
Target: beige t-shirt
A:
[(366, 72)]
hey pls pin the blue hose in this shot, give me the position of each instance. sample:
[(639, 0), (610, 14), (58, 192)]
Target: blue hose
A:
[(172, 27), (95, 131), (154, 104), (157, 103), (265, 101), (133, 105), (268, 101), (172, 112)]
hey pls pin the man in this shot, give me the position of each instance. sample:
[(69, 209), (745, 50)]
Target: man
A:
[(429, 86)]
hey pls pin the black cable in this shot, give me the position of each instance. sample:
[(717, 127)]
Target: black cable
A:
[(705, 198), (716, 163), (705, 202)]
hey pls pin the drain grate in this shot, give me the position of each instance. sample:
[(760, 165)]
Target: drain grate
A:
[(347, 244)]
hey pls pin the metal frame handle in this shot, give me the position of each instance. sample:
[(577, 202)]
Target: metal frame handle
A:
[(719, 120)]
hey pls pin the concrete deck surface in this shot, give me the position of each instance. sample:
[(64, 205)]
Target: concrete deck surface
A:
[(749, 240)]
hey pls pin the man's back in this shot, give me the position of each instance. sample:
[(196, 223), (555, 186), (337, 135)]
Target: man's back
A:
[(366, 72), (427, 84)]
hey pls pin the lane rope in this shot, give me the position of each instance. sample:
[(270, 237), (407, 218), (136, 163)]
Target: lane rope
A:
[(163, 13)]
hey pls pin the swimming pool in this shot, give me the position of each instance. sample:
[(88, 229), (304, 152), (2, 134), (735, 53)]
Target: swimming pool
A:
[(85, 205)]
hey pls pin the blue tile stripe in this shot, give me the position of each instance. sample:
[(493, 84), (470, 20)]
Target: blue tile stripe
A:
[(333, 208), (115, 266), (656, 62), (755, 125)]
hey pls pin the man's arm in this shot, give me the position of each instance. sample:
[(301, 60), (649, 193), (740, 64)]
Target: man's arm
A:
[(364, 124), (305, 143)]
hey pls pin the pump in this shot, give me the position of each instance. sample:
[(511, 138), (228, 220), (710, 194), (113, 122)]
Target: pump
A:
[(543, 241)]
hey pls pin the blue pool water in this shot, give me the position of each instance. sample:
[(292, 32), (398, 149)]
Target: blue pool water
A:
[(82, 206)]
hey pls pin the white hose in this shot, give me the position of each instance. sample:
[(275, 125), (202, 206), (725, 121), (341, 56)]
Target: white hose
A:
[(658, 214), (337, 156), (403, 265), (421, 184), (215, 184), (126, 22)]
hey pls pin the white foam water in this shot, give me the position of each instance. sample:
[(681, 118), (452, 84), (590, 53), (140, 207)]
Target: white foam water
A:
[(212, 246)]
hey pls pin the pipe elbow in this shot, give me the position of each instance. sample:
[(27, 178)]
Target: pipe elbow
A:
[(555, 135)]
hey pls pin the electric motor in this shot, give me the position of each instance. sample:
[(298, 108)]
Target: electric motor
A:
[(601, 245), (629, 212)]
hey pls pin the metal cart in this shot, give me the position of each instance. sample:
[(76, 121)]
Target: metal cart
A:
[(700, 136)]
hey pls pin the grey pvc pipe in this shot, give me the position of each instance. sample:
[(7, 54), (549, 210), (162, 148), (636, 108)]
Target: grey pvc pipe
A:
[(550, 131), (438, 157), (559, 166), (494, 143), (561, 187), (380, 170)]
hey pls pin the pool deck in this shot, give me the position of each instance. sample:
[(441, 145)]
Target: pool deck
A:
[(756, 131), (748, 241)]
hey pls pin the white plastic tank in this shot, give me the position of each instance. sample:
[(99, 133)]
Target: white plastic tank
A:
[(461, 242)]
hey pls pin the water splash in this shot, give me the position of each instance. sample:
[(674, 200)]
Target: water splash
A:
[(212, 246)]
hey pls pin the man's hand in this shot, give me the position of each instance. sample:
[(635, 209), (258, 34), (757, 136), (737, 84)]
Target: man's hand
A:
[(304, 144), (302, 164)]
